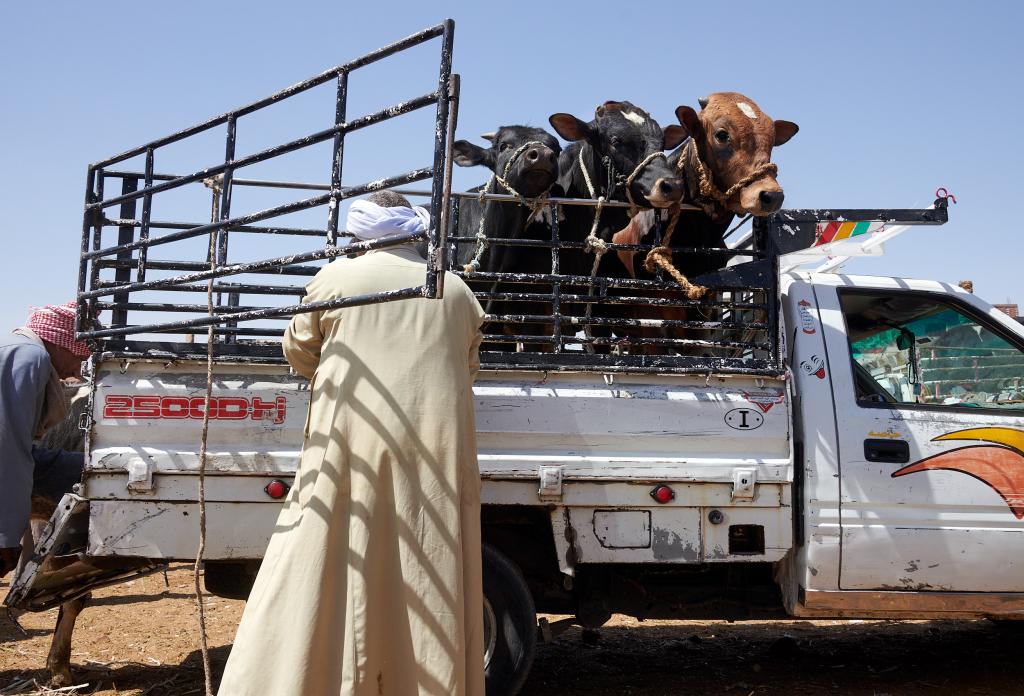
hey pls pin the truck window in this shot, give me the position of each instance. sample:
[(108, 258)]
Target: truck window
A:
[(915, 348)]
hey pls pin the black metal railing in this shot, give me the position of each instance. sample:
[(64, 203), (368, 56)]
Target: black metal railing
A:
[(623, 324), (138, 233), (551, 317)]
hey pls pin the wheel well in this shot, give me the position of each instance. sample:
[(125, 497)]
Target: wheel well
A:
[(524, 535)]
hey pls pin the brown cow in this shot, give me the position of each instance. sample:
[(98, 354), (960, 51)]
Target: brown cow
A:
[(727, 169), (732, 141)]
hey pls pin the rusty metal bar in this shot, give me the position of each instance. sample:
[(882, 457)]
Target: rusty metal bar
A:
[(125, 235), (337, 157), (414, 175), (329, 74), (442, 129), (278, 150), (239, 268), (147, 207), (87, 224), (351, 301)]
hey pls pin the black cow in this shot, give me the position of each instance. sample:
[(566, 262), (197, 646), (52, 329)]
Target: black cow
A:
[(526, 159)]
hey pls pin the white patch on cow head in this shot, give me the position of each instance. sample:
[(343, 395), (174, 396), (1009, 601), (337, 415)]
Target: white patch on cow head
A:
[(635, 117), (747, 110)]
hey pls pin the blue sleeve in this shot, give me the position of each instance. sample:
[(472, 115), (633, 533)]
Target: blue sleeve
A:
[(24, 372)]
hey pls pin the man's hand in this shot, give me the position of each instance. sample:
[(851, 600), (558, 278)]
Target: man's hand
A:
[(9, 559)]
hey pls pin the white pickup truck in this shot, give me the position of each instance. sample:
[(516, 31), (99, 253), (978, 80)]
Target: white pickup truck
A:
[(792, 444), (882, 476)]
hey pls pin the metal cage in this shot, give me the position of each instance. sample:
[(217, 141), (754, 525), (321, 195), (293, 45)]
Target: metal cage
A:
[(136, 229), (545, 321)]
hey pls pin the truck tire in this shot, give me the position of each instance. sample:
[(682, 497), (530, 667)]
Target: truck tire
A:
[(230, 579), (510, 625)]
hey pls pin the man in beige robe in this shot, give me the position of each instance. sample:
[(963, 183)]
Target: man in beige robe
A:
[(371, 583)]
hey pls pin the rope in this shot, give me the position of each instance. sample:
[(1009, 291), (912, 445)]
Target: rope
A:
[(629, 180), (201, 610), (597, 246), (705, 181), (535, 205), (662, 256)]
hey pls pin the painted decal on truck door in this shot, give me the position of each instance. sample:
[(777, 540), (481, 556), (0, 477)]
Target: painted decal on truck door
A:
[(999, 465)]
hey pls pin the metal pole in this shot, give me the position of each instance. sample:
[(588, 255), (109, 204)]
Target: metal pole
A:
[(147, 206), (340, 107), (97, 242), (125, 235), (437, 189), (87, 220)]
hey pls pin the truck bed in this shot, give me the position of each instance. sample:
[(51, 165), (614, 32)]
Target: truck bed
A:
[(599, 443)]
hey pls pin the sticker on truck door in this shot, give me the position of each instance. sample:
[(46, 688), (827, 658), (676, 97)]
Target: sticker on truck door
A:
[(806, 320), (999, 465), (813, 365)]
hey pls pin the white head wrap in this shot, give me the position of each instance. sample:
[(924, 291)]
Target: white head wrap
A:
[(368, 221)]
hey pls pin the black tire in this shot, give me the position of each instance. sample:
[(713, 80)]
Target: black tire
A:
[(510, 625)]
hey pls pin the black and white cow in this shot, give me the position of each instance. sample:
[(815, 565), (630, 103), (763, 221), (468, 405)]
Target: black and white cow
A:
[(619, 155), (622, 142)]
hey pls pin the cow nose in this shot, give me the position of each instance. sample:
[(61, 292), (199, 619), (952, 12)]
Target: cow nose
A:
[(669, 189), (771, 200), (540, 155)]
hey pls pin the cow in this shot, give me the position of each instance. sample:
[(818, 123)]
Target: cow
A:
[(727, 170), (619, 155), (730, 148), (525, 160)]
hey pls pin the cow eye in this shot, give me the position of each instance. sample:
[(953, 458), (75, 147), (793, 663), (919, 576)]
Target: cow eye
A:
[(721, 136), (504, 146)]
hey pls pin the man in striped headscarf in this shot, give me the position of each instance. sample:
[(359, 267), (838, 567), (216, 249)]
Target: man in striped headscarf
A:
[(33, 361)]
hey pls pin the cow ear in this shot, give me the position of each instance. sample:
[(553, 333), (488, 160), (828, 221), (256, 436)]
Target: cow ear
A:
[(784, 130), (689, 118), (570, 127), (673, 136), (467, 154)]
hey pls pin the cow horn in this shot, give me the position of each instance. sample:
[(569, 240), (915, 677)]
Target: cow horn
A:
[(489, 136), (703, 101)]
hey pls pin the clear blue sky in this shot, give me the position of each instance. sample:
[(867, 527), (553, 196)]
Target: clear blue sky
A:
[(893, 98)]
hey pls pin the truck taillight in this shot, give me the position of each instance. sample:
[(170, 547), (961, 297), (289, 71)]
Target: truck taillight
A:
[(276, 489), (663, 494)]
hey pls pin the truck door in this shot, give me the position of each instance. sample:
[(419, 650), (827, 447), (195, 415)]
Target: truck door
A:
[(929, 394)]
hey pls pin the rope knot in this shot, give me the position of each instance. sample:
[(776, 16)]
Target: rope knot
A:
[(651, 263), (596, 245), (662, 256)]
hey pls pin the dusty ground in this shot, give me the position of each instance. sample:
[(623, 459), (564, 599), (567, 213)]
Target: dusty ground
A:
[(140, 638)]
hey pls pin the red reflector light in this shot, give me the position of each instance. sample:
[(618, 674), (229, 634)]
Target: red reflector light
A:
[(276, 489), (663, 494)]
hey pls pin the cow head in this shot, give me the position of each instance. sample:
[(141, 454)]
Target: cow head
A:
[(627, 135), (530, 171), (734, 138)]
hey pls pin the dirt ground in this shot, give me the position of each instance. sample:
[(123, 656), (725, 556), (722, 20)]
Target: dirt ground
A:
[(141, 638)]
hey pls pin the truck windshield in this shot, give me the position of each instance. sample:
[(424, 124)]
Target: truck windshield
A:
[(911, 348)]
